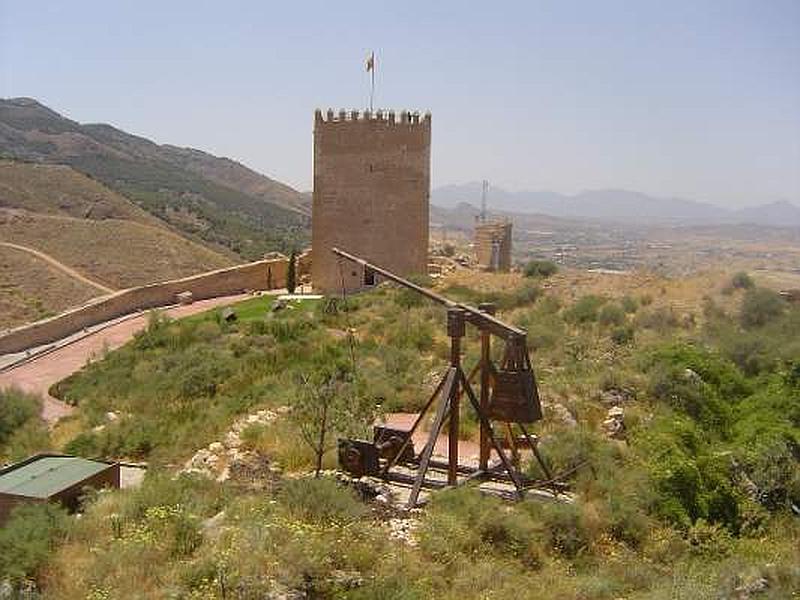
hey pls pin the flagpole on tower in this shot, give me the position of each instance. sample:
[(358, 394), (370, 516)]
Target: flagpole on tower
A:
[(371, 69)]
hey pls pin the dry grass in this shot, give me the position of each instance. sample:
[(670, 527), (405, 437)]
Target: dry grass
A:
[(87, 227), (31, 289), (58, 190), (117, 253)]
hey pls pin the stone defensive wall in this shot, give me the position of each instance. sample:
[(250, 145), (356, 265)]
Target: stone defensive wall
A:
[(259, 275)]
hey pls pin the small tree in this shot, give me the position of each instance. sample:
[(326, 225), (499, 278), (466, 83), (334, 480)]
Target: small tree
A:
[(291, 273), (330, 403)]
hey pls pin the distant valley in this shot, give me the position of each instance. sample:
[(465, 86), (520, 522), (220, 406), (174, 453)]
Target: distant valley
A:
[(620, 206)]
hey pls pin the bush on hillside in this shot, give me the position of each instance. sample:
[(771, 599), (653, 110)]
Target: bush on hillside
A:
[(566, 532), (658, 319), (463, 522), (27, 539), (629, 304), (16, 409), (515, 298), (622, 335), (321, 500), (611, 314), (683, 392), (30, 438), (711, 368), (585, 310), (760, 306), (540, 268), (742, 281)]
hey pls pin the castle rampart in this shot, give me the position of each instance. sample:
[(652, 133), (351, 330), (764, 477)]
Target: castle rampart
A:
[(222, 282)]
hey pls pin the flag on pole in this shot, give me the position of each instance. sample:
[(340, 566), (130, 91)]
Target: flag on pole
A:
[(371, 71)]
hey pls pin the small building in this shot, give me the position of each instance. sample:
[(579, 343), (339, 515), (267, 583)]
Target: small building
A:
[(53, 478), (493, 245)]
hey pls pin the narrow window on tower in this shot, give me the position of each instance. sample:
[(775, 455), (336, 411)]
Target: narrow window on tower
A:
[(369, 276)]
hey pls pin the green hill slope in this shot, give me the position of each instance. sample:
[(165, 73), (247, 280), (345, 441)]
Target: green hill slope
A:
[(213, 199)]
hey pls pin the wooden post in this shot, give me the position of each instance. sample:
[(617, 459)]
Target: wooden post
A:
[(441, 412), (456, 329), (486, 362)]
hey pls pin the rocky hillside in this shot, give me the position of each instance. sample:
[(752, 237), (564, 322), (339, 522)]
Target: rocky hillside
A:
[(215, 200)]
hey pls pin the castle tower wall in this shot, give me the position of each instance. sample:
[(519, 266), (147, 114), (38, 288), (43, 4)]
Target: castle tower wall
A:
[(371, 195), (493, 245)]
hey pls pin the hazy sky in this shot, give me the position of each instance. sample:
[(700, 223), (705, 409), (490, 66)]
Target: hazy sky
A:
[(693, 98)]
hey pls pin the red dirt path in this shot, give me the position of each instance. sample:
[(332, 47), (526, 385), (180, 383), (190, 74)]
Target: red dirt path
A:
[(40, 373), (468, 451)]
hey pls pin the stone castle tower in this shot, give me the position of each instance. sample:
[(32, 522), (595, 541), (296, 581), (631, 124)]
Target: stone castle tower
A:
[(371, 195), (493, 245)]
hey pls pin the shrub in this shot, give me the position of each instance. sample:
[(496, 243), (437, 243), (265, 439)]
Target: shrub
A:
[(16, 409), (629, 304), (128, 438), (545, 330), (712, 368), (565, 531), (521, 296), (27, 539), (760, 306), (540, 268), (30, 438), (407, 298), (584, 310), (681, 391), (611, 314), (411, 333), (742, 281), (659, 319), (462, 522), (622, 335), (708, 540), (321, 500)]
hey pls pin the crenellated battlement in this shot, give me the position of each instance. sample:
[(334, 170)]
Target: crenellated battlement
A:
[(391, 117)]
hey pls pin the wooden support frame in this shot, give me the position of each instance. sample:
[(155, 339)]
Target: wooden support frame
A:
[(499, 390)]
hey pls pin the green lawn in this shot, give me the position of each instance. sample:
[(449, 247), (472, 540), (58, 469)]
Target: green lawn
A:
[(251, 309)]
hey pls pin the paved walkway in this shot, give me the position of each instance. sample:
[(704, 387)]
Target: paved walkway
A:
[(37, 375), (468, 451), (61, 267)]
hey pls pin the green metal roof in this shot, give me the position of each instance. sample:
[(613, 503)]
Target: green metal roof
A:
[(45, 476)]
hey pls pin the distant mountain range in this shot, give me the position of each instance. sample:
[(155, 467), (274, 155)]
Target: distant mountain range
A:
[(619, 206), (211, 199)]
